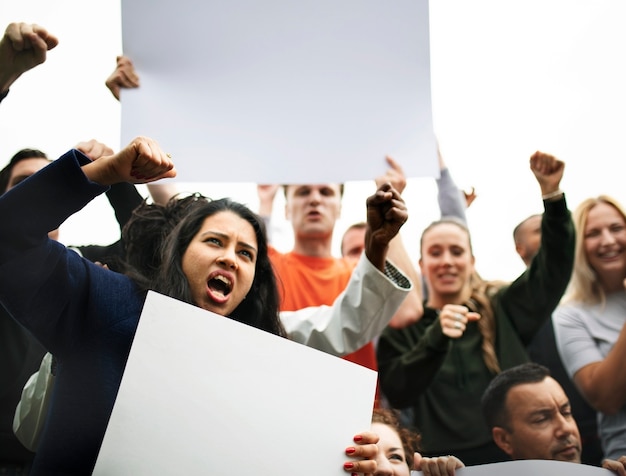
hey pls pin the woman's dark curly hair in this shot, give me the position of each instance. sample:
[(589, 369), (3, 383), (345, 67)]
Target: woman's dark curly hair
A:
[(410, 440), (157, 237)]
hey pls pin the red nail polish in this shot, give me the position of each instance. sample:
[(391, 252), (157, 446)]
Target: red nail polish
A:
[(348, 465), (358, 438), (350, 450)]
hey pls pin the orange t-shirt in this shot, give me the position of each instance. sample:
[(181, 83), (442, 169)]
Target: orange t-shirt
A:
[(305, 281)]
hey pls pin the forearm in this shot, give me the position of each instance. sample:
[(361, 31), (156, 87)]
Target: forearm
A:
[(532, 298), (124, 198), (451, 202), (604, 383), (412, 308), (407, 368), (357, 316), (43, 202)]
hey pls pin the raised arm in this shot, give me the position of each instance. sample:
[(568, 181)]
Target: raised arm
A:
[(531, 298), (22, 47), (412, 308), (452, 202)]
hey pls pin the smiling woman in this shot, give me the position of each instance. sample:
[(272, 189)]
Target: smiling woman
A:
[(589, 326)]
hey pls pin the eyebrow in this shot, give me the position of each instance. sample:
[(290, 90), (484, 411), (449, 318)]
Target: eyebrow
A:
[(227, 237)]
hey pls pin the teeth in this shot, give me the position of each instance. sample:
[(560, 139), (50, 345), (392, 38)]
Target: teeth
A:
[(223, 279)]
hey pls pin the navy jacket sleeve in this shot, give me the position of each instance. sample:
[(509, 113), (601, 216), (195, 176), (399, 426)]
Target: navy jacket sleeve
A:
[(45, 286)]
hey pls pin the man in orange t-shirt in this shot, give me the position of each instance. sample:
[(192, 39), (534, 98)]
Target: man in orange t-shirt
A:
[(309, 275)]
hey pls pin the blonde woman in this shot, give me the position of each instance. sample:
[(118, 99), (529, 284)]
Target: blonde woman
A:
[(589, 325)]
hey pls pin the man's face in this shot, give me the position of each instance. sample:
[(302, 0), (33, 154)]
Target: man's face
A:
[(353, 243), (313, 209), (541, 425), (529, 240)]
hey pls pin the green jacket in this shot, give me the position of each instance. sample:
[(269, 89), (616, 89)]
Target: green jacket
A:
[(442, 379)]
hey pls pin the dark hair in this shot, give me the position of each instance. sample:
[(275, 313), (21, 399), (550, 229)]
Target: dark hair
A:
[(164, 272), (146, 231), (410, 440), (5, 173), (493, 401)]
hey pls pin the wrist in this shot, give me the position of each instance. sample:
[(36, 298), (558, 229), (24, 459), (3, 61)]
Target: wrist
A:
[(553, 195)]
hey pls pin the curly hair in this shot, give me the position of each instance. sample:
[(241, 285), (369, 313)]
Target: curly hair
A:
[(410, 440)]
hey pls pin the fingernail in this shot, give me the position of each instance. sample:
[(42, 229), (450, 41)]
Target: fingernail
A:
[(358, 438), (348, 465), (350, 450)]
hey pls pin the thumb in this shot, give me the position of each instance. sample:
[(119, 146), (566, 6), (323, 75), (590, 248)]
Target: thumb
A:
[(417, 461), (472, 316)]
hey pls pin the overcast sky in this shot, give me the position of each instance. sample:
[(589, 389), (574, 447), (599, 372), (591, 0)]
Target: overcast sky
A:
[(508, 78)]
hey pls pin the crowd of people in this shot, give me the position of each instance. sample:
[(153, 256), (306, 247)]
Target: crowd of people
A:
[(470, 371)]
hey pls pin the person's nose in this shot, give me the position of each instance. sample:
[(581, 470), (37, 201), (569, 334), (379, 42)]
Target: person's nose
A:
[(446, 258), (607, 237), (228, 258), (565, 426), (383, 466), (315, 197)]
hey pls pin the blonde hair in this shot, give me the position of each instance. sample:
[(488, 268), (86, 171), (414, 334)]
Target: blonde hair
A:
[(584, 285), (482, 293)]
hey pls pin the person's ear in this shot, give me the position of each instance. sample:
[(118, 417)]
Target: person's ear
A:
[(501, 438)]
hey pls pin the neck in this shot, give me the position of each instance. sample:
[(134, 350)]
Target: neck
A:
[(612, 283), (318, 247), (437, 301)]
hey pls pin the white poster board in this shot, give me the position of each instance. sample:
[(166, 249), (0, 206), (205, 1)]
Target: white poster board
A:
[(530, 468), (203, 394), (312, 91)]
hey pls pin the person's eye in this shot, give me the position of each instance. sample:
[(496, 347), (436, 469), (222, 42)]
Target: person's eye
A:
[(617, 228), (396, 457), (592, 234), (214, 241), (248, 254), (457, 251)]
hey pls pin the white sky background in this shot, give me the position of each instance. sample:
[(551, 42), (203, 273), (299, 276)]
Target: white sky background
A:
[(508, 78)]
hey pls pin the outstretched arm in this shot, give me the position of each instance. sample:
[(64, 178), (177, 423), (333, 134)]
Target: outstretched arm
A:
[(532, 298), (22, 47)]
